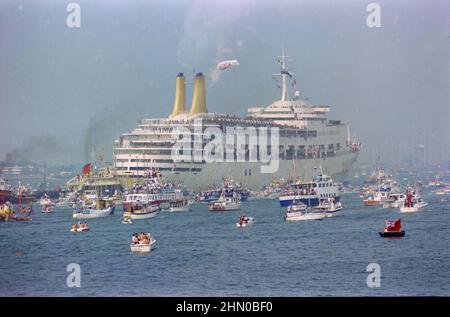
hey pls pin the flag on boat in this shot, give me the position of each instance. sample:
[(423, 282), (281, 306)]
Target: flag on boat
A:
[(87, 169), (393, 225)]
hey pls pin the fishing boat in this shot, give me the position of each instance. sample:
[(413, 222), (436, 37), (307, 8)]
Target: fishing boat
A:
[(392, 229), (329, 206), (245, 221), (225, 203), (138, 211), (79, 227), (143, 242), (179, 205), (101, 209), (311, 192)]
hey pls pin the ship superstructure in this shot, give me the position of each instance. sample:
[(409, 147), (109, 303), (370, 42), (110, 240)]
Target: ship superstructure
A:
[(307, 140)]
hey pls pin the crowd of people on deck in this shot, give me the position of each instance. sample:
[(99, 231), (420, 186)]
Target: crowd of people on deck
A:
[(80, 225), (141, 238)]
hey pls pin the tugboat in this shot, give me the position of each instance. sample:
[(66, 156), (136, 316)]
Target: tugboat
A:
[(245, 221), (392, 229)]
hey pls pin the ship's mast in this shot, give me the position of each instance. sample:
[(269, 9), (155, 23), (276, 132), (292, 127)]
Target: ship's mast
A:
[(284, 73), (284, 93)]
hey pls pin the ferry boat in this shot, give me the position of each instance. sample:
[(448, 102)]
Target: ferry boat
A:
[(307, 138), (311, 192)]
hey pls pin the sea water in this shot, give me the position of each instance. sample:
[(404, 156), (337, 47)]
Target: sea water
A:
[(203, 253)]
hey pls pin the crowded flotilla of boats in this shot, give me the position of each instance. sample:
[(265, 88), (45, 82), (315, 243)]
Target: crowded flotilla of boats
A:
[(315, 199)]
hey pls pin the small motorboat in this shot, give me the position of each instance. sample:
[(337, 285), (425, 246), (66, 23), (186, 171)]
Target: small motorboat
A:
[(99, 209), (225, 203), (47, 209), (138, 211), (392, 229), (126, 220), (371, 201), (245, 221), (329, 206), (143, 242), (80, 227), (297, 211), (179, 205), (412, 205)]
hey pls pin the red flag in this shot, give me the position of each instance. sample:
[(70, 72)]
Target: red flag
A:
[(87, 169), (393, 225)]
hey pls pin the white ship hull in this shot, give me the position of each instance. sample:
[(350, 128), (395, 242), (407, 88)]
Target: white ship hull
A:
[(212, 173)]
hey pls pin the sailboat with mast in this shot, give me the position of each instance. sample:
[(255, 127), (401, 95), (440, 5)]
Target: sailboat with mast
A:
[(94, 205)]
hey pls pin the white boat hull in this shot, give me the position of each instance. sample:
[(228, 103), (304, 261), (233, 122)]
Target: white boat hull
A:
[(142, 248), (137, 216), (298, 216), (415, 208), (246, 224), (94, 213)]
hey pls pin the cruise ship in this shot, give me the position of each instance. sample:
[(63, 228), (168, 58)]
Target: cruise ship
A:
[(307, 140)]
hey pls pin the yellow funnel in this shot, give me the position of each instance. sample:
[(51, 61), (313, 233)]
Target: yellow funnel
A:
[(179, 105), (198, 98)]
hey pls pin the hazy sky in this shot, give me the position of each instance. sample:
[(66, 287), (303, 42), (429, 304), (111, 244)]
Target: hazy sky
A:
[(61, 87)]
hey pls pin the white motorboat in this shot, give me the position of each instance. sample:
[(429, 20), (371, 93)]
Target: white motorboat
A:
[(179, 205), (301, 215), (142, 243), (141, 211), (101, 209), (245, 221), (413, 206), (329, 206), (126, 220), (47, 209), (225, 203), (79, 227)]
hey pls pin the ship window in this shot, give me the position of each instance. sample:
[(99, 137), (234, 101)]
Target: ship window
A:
[(249, 172), (245, 172)]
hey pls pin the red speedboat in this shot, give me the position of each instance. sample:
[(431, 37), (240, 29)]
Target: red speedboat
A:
[(392, 229)]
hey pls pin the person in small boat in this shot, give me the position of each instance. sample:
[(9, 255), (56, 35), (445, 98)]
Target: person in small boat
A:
[(135, 239)]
